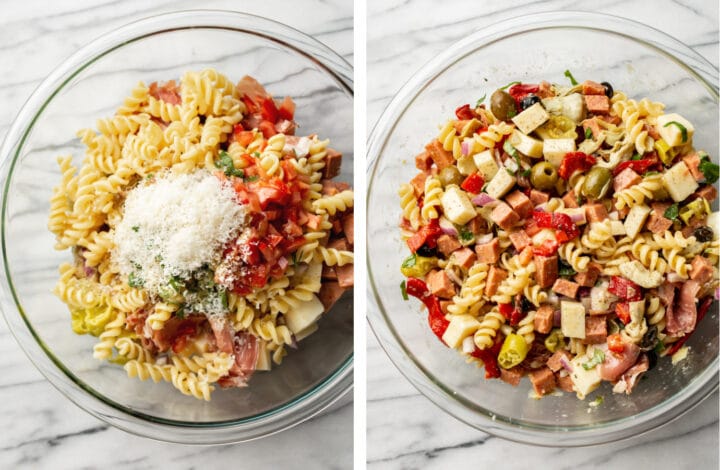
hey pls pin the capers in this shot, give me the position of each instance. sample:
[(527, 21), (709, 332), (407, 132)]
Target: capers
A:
[(543, 175), (608, 89), (450, 175), (502, 105), (529, 100), (597, 183)]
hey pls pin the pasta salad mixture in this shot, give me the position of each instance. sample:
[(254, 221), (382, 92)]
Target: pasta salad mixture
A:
[(564, 234), (207, 237)]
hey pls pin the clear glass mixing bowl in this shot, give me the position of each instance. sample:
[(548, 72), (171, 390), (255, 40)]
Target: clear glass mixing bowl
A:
[(634, 58), (92, 84)]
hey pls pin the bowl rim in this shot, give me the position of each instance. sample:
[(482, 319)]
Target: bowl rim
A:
[(283, 416), (443, 397)]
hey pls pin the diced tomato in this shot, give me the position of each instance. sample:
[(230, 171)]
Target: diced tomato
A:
[(269, 111), (615, 343), (291, 244), (574, 161), (267, 128), (702, 310), (243, 137), (427, 235), (251, 106), (464, 112), (639, 166), (489, 357), (287, 109), (565, 228), (548, 248), (521, 90), (473, 183), (418, 289), (271, 192), (622, 310), (625, 289)]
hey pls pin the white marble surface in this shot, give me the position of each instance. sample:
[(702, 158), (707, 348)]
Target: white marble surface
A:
[(404, 429), (41, 429)]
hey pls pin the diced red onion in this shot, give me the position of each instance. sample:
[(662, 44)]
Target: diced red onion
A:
[(484, 238), (465, 147), (468, 345), (557, 318), (578, 217), (674, 277), (614, 215), (482, 199), (717, 293), (447, 227), (566, 364), (283, 262), (541, 207)]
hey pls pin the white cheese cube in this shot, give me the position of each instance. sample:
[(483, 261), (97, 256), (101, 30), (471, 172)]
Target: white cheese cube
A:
[(304, 315), (526, 145), (543, 235), (554, 150), (501, 184), (576, 213), (532, 118), (617, 228), (485, 163), (584, 381), (671, 133), (457, 206), (571, 106), (713, 222), (460, 327), (679, 182), (636, 219), (572, 319), (640, 275), (466, 165)]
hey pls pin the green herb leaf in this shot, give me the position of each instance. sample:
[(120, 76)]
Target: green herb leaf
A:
[(149, 175), (403, 290), (597, 402), (682, 128), (588, 133), (637, 156), (527, 172), (294, 259), (135, 228), (672, 212), (598, 358), (410, 261), (659, 347), (570, 76), (480, 101), (510, 172), (466, 235), (710, 170), (180, 313), (510, 150), (134, 280), (511, 113), (509, 85), (564, 269), (250, 179), (225, 163), (256, 154), (224, 298)]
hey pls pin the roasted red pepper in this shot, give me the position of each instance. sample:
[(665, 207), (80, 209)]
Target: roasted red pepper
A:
[(622, 310), (625, 289), (574, 161), (639, 166), (565, 228), (464, 112), (489, 357), (512, 313), (417, 288), (473, 183), (521, 90), (702, 310), (427, 235), (548, 248), (615, 343)]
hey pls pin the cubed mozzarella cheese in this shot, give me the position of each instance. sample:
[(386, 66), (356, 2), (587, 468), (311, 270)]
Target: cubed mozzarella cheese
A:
[(460, 327), (571, 106), (501, 184), (640, 275), (584, 381), (679, 182), (457, 206), (532, 118), (572, 319), (577, 214), (304, 315), (526, 145), (544, 235), (617, 228), (466, 165), (554, 150), (671, 133), (636, 219), (485, 163)]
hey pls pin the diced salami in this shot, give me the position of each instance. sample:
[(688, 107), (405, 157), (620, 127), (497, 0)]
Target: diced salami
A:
[(520, 203), (495, 277), (625, 179), (597, 104), (565, 287), (439, 155), (543, 321), (546, 270), (447, 244), (440, 284), (511, 376), (488, 252), (595, 329), (333, 160), (543, 381), (504, 216)]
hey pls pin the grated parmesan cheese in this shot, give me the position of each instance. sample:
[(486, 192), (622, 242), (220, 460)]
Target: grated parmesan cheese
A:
[(175, 225)]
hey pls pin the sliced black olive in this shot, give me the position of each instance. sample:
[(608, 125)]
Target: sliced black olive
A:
[(704, 234), (426, 251), (528, 101), (652, 359), (650, 339), (608, 89)]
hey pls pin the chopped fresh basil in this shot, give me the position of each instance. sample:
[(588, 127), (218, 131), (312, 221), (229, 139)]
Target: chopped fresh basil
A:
[(480, 101), (659, 347), (410, 261), (256, 154), (510, 172), (224, 298), (134, 280), (509, 85), (466, 235), (598, 358), (637, 156), (672, 212), (294, 259), (135, 228), (403, 291), (710, 170), (507, 146), (526, 173), (250, 179), (570, 76), (564, 269), (588, 133), (225, 163), (682, 128)]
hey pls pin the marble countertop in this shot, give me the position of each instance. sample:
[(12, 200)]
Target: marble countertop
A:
[(406, 430), (42, 429)]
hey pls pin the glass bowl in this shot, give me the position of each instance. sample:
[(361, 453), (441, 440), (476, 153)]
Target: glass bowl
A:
[(634, 58), (92, 84)]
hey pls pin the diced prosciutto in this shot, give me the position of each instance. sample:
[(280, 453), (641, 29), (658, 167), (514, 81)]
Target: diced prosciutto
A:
[(248, 86), (175, 332), (630, 378), (168, 92), (615, 364), (682, 318), (223, 333), (246, 349)]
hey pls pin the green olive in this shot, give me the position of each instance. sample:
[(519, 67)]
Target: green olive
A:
[(597, 183), (557, 127), (450, 175), (543, 175), (502, 105)]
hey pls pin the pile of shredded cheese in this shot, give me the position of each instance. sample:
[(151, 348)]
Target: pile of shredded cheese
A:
[(173, 225)]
